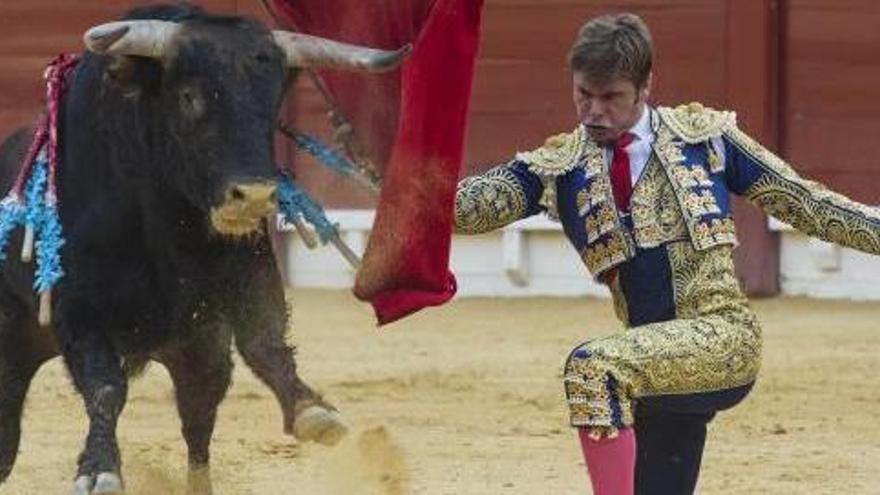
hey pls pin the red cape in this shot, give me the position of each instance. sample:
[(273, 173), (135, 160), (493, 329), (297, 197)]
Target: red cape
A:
[(413, 122)]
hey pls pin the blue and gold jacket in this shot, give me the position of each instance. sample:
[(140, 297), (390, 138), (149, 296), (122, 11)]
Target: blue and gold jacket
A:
[(670, 257)]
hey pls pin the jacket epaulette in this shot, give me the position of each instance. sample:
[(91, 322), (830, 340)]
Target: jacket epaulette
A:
[(694, 123), (560, 153)]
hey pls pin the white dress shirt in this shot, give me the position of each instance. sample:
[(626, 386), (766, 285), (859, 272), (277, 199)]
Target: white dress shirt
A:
[(642, 146), (639, 150)]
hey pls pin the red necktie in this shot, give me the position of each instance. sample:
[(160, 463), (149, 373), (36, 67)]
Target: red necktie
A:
[(621, 181)]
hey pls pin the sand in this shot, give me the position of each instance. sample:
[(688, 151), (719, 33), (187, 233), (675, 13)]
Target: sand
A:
[(466, 399)]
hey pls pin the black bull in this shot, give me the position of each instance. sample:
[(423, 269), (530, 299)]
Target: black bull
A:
[(166, 175)]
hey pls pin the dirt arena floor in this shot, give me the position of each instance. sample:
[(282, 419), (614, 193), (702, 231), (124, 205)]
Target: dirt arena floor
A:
[(466, 399)]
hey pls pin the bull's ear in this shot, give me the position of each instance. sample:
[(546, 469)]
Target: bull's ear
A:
[(132, 75)]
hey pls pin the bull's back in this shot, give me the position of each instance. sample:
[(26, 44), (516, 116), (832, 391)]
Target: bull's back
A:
[(12, 153)]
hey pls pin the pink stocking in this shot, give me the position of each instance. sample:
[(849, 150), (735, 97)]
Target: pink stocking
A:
[(610, 461)]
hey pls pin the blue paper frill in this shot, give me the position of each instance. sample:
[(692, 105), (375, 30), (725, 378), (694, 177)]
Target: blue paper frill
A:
[(12, 214), (293, 202)]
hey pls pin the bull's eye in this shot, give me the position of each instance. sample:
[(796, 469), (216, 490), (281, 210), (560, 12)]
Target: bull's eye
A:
[(191, 102), (262, 57)]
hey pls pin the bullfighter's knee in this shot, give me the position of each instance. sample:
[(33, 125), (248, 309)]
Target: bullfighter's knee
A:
[(596, 397)]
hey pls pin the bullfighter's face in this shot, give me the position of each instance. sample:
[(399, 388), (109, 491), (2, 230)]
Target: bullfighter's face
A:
[(608, 108)]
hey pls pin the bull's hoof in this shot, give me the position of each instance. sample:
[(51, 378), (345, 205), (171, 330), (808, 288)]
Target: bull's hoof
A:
[(83, 485), (318, 424), (198, 481), (108, 484), (103, 484)]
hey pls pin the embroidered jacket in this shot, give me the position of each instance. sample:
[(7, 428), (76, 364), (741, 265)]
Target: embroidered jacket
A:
[(680, 220)]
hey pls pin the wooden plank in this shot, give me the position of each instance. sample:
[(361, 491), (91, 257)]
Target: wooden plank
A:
[(522, 89), (831, 108), (34, 31)]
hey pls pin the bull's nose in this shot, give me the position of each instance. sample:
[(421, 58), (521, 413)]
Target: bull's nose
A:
[(261, 193)]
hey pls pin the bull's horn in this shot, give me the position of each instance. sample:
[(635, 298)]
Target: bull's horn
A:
[(141, 38), (312, 52)]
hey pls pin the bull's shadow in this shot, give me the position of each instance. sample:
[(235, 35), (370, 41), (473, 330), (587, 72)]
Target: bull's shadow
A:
[(166, 175)]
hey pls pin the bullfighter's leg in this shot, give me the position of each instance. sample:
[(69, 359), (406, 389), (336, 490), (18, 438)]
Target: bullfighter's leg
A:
[(201, 370), (676, 375), (23, 348), (670, 449), (260, 336), (97, 374)]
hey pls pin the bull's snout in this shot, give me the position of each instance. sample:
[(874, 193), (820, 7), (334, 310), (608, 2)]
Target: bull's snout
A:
[(244, 205), (261, 195)]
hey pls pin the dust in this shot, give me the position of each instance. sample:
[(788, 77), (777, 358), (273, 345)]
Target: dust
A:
[(467, 400), (368, 462), (145, 478)]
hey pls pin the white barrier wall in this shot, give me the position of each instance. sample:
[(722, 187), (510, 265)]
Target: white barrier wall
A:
[(814, 268), (532, 257)]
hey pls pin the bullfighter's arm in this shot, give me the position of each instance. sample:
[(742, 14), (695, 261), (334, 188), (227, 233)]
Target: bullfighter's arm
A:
[(497, 197), (771, 184)]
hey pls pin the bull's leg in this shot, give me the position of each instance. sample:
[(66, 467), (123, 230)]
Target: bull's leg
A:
[(97, 374), (23, 348), (13, 387), (260, 329), (201, 371)]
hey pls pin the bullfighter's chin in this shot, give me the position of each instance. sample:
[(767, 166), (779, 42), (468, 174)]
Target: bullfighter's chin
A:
[(234, 226)]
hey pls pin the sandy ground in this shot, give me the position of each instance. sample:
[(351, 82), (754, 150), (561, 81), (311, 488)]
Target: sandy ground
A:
[(467, 400)]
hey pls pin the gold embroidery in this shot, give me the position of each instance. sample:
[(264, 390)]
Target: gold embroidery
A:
[(488, 201), (705, 281), (559, 155), (600, 221), (808, 206), (714, 345), (599, 256), (701, 203), (621, 310), (583, 201), (692, 177), (601, 217), (693, 204), (594, 163), (656, 214), (694, 123), (716, 165), (700, 176), (595, 193), (548, 198), (718, 231)]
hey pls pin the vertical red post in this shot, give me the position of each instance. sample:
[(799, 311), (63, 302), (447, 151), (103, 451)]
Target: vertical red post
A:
[(754, 34)]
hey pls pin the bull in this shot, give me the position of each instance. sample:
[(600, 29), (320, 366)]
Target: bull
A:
[(166, 177)]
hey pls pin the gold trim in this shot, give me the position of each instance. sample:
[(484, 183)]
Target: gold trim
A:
[(601, 218), (559, 155), (695, 124), (694, 201), (807, 205), (488, 201)]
